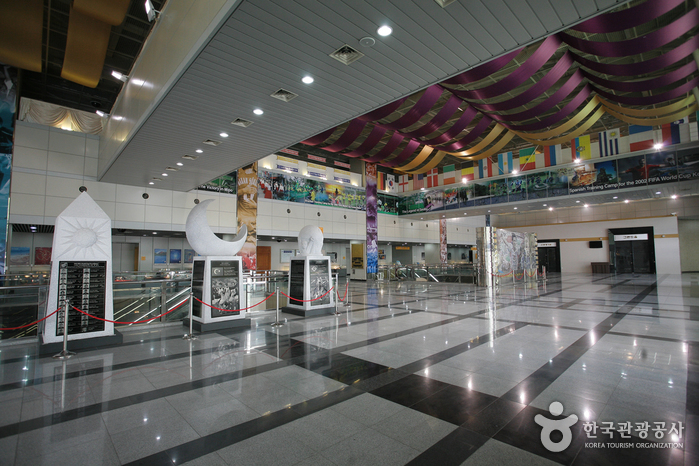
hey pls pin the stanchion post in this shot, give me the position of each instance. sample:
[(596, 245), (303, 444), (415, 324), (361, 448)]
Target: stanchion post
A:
[(337, 289), (277, 323), (65, 354), (190, 336)]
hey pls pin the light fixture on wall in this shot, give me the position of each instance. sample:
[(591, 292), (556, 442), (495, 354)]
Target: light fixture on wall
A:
[(120, 76), (151, 12)]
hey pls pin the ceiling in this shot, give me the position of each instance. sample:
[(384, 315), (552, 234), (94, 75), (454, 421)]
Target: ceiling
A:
[(202, 65), (256, 47), (124, 46)]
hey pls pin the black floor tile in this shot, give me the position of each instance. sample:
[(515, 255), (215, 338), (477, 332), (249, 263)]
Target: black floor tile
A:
[(454, 404), (410, 390), (453, 449), (493, 418)]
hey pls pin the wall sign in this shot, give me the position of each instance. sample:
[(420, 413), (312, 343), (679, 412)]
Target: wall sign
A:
[(640, 237)]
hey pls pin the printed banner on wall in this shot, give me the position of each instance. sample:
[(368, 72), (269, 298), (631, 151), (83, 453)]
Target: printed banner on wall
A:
[(294, 188), (8, 103), (247, 213), (372, 250), (222, 184), (443, 240), (388, 204)]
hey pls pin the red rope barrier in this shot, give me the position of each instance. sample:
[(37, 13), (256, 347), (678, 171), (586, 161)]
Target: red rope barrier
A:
[(338, 294), (234, 310), (33, 323), (138, 322), (308, 300)]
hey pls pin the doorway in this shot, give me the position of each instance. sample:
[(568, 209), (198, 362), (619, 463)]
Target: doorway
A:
[(264, 258), (549, 252), (632, 250)]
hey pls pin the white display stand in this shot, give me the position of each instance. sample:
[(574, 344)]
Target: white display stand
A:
[(81, 273), (310, 277), (218, 281)]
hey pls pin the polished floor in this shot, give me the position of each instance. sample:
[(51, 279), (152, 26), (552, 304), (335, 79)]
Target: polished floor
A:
[(410, 373)]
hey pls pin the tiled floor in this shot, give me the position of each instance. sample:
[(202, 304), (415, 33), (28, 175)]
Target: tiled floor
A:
[(410, 373)]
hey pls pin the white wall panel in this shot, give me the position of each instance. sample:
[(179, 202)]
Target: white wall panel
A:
[(67, 142)]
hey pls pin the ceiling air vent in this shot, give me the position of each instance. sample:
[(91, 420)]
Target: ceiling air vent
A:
[(241, 122), (190, 157), (212, 142), (444, 3), (283, 94), (172, 169), (155, 178), (346, 54)]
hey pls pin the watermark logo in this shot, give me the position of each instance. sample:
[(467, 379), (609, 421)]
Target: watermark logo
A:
[(561, 425)]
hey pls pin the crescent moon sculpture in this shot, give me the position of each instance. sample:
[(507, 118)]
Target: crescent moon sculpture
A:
[(203, 239)]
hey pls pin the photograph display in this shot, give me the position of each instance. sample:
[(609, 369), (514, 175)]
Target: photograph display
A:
[(224, 288), (319, 282)]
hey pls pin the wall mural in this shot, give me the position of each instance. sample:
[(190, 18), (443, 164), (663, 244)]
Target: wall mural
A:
[(516, 252)]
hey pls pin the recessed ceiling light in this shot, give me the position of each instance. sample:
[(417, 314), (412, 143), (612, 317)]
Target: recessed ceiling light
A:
[(258, 111), (164, 174), (550, 208), (586, 206), (151, 182), (615, 197), (198, 151), (658, 145), (674, 196), (514, 172), (545, 205), (577, 202), (224, 135), (657, 192), (384, 30), (179, 164), (155, 232), (515, 208), (307, 79), (626, 201)]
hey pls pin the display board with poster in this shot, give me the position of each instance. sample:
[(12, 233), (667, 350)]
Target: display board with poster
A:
[(319, 282), (297, 277), (225, 288), (82, 284), (217, 282)]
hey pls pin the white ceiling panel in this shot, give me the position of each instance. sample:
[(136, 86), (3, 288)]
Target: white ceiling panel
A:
[(264, 45)]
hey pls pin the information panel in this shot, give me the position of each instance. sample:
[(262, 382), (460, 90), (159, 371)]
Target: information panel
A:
[(83, 285), (320, 283), (198, 286), (296, 280), (224, 288)]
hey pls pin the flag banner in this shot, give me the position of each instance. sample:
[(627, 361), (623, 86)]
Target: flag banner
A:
[(640, 137), (608, 142), (433, 178), (552, 155), (449, 174), (527, 159), (404, 183), (504, 163), (467, 174), (675, 132), (580, 148), (391, 183), (419, 181), (485, 168)]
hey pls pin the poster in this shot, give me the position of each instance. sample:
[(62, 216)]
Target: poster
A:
[(222, 184), (481, 193), (296, 274), (558, 183), (538, 184), (8, 103), (663, 167), (189, 256), (498, 191), (19, 255), (632, 171), (247, 213), (42, 256), (295, 188), (434, 200), (517, 188), (372, 255), (451, 198), (443, 240), (175, 256), (319, 282), (688, 164), (160, 256), (591, 177), (224, 288), (387, 204)]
